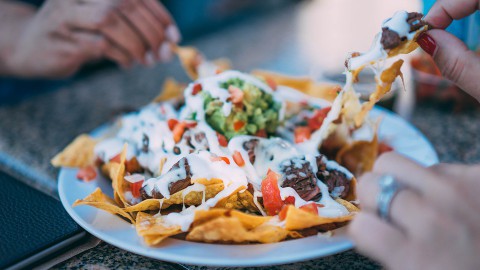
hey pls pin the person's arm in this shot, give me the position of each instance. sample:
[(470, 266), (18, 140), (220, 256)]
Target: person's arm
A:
[(13, 18), (452, 56), (61, 36)]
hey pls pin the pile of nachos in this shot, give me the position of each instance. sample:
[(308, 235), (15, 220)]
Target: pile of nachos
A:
[(238, 157)]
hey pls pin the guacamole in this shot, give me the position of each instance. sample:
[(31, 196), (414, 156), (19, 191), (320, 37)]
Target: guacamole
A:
[(256, 114)]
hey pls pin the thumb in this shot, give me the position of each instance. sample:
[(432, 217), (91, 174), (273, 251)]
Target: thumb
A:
[(455, 60)]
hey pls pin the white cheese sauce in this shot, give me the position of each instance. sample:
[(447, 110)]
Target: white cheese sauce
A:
[(398, 23)]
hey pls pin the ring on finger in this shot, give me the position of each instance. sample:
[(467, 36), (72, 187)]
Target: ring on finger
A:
[(389, 188)]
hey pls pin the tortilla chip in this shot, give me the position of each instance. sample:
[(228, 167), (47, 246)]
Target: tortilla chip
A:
[(190, 59), (249, 221), (153, 230), (171, 90), (407, 46), (119, 184), (223, 64), (298, 219), (306, 85), (324, 91), (359, 156), (232, 201), (352, 192), (228, 229), (147, 205), (99, 200), (79, 153), (300, 83), (384, 84), (192, 198), (350, 206)]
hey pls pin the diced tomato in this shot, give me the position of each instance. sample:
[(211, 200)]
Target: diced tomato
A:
[(135, 181), (222, 140), (197, 88), (224, 159), (87, 174), (271, 194), (317, 119), (237, 157), (116, 159), (271, 82), (190, 124), (320, 205), (236, 94), (302, 134), (310, 207), (178, 131), (238, 125), (283, 213), (384, 148), (172, 123), (218, 71), (289, 200), (261, 133)]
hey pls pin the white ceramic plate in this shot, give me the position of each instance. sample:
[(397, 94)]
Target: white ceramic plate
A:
[(397, 132)]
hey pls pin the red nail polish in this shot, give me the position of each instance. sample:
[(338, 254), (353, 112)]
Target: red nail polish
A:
[(427, 43)]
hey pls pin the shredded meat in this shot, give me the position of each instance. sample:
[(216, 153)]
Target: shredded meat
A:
[(174, 187), (335, 180), (415, 21), (196, 141), (299, 176), (391, 39), (250, 146)]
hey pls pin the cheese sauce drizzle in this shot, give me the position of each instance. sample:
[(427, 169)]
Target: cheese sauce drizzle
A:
[(150, 140)]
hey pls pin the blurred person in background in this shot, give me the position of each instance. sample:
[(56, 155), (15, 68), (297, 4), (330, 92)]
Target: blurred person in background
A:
[(426, 218), (56, 39)]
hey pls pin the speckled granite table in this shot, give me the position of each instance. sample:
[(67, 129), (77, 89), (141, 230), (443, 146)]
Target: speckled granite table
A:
[(33, 131)]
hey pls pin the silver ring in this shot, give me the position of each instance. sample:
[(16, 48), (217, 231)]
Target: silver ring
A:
[(389, 188)]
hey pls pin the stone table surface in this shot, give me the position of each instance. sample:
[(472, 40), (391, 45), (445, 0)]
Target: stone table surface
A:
[(33, 131)]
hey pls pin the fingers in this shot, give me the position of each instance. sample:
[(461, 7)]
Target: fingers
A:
[(136, 30), (146, 25), (443, 12), (91, 44), (171, 30), (375, 237), (436, 189), (158, 11), (406, 206), (413, 174), (455, 61)]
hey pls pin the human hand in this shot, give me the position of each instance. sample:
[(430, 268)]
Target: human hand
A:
[(455, 60), (435, 222), (65, 34)]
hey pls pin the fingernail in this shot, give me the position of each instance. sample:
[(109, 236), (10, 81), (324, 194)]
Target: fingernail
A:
[(173, 34), (427, 43), (165, 52), (149, 59)]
